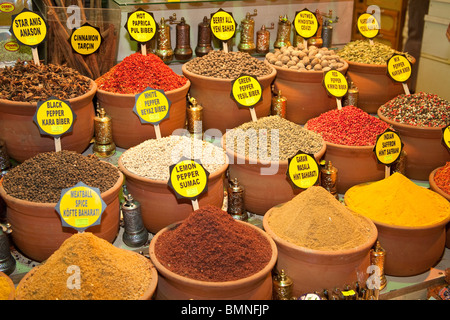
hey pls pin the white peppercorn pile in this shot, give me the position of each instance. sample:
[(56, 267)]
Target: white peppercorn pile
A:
[(228, 65), (152, 158), (301, 58), (43, 177), (288, 138)]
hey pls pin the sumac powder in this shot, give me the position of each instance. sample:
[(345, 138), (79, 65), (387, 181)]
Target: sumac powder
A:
[(210, 245)]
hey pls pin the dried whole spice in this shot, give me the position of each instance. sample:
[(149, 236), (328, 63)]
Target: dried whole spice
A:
[(442, 178), (28, 82), (137, 72), (42, 178), (106, 272), (210, 245)]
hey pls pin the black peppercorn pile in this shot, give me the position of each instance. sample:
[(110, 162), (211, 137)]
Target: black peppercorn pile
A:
[(43, 177)]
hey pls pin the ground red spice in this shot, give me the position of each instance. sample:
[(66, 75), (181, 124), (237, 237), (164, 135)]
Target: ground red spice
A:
[(349, 126), (210, 245), (137, 72), (442, 178)]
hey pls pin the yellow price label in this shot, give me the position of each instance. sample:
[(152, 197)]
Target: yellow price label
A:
[(86, 39), (306, 24), (188, 178), (246, 91), (446, 136), (80, 207), (29, 28), (399, 68), (335, 83), (141, 26), (303, 170), (152, 106), (54, 117), (7, 7), (11, 46), (368, 26), (223, 25), (388, 147)]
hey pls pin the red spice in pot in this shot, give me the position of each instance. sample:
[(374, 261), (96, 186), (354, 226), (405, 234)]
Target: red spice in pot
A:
[(137, 72), (442, 178), (210, 245), (349, 126)]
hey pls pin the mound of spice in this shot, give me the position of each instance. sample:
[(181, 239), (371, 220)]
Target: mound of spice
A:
[(398, 201), (228, 65), (303, 58), (43, 177), (442, 178), (106, 272), (418, 109), (363, 51), (5, 288), (152, 158), (28, 82), (210, 245), (349, 126), (272, 138), (137, 72), (314, 219)]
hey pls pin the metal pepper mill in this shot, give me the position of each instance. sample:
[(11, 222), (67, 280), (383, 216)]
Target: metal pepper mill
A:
[(7, 261), (328, 178), (279, 104), (104, 145), (351, 99), (263, 39), (163, 46), (204, 38), (378, 258), (247, 42), (327, 30), (283, 33), (194, 117), (183, 50), (317, 39), (282, 286), (236, 204), (135, 234)]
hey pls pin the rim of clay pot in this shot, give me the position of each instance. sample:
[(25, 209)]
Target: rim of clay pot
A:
[(248, 160), (22, 202), (310, 73), (12, 293), (148, 293), (435, 187), (400, 125), (133, 95), (212, 284), (323, 253), (132, 175)]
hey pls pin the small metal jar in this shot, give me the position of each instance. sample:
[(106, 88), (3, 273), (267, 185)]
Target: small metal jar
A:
[(282, 287), (204, 38), (263, 39), (7, 261), (351, 99), (135, 234), (104, 145), (236, 204), (378, 258), (247, 41), (194, 117), (183, 50), (283, 33), (328, 178), (279, 104), (164, 47)]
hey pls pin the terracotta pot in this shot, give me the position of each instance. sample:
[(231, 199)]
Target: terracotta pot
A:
[(435, 188), (220, 111), (37, 229), (172, 286), (23, 139), (374, 85), (147, 295), (306, 96), (159, 205), (12, 293), (262, 191), (315, 270), (423, 146), (127, 129)]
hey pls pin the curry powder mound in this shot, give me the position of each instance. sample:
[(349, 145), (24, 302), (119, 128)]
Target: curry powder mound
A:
[(105, 272), (5, 289)]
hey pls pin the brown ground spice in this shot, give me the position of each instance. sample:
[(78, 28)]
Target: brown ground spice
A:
[(316, 220), (210, 245), (107, 272)]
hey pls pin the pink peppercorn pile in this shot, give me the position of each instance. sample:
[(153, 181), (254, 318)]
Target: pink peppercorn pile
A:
[(349, 126)]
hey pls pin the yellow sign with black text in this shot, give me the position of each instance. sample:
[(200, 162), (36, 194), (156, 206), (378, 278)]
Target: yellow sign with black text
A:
[(388, 147), (303, 170), (399, 68), (188, 178), (29, 28), (141, 26), (368, 26), (152, 106), (306, 24), (86, 40), (223, 25), (246, 91), (54, 117), (335, 83)]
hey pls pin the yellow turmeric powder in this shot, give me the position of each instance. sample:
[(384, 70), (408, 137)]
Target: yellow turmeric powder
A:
[(5, 288), (398, 201)]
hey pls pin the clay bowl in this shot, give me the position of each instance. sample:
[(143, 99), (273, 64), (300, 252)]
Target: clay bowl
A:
[(23, 139), (37, 229), (265, 183), (220, 111), (374, 85), (315, 270), (127, 129), (423, 146), (435, 188), (12, 293), (147, 295), (306, 96), (172, 286), (159, 205)]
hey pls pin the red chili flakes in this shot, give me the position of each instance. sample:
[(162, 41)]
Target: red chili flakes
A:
[(442, 178)]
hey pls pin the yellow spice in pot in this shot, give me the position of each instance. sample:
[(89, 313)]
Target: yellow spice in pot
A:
[(5, 289), (398, 201)]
